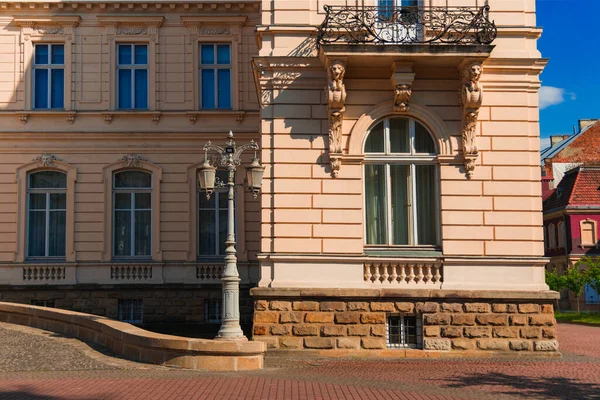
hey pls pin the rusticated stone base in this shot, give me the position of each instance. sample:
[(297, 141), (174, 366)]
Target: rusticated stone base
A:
[(449, 323)]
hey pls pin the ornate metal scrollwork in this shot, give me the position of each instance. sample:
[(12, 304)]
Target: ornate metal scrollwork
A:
[(407, 25)]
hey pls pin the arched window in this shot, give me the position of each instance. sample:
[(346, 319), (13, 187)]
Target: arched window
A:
[(561, 235), (46, 214), (400, 184), (588, 232), (551, 236), (132, 205)]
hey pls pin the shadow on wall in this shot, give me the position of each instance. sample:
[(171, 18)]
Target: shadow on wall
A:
[(530, 387), (26, 393)]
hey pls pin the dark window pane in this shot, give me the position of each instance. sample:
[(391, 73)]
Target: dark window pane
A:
[(57, 94), (375, 207), (208, 88), (206, 233), (400, 218), (57, 234), (141, 54), (143, 229), (223, 200), (41, 88), (122, 233), (41, 54), (37, 234), (423, 141), (375, 140), (141, 88), (222, 230), (399, 135), (207, 54), (203, 202), (224, 86), (133, 179), (426, 215), (48, 180), (37, 201), (143, 201), (223, 54), (58, 201), (58, 54), (122, 201), (124, 55), (125, 95)]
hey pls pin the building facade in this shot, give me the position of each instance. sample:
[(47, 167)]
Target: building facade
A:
[(401, 204)]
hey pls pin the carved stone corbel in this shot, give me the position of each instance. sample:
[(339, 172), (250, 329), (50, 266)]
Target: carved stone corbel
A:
[(336, 99), (471, 96), (46, 160), (402, 79)]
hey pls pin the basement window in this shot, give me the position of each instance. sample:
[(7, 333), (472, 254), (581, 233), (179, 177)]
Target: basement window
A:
[(43, 303), (131, 310), (403, 332), (212, 310)]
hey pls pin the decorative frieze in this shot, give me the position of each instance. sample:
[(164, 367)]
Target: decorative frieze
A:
[(44, 274), (46, 160), (336, 99), (131, 160), (471, 96)]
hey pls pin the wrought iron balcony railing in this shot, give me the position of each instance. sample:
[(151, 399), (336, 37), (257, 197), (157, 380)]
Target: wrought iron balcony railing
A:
[(407, 26)]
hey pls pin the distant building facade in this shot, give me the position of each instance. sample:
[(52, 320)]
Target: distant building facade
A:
[(401, 205)]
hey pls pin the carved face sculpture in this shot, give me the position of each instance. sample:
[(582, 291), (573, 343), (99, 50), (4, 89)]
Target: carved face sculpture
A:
[(337, 71), (474, 72)]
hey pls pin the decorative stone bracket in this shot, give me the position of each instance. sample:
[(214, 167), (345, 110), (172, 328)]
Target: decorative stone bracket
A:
[(336, 99), (402, 79), (471, 96)]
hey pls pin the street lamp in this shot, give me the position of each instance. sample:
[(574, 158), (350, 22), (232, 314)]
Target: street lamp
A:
[(230, 159)]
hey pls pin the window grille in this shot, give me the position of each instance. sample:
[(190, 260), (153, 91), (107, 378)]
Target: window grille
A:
[(403, 332), (131, 310), (212, 310)]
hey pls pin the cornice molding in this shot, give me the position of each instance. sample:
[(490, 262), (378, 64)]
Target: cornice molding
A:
[(199, 20), (138, 20), (35, 20), (200, 5)]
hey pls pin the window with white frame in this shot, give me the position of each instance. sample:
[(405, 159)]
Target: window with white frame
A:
[(132, 76), (212, 220), (132, 191), (46, 214), (400, 184), (403, 331), (48, 76), (215, 76), (551, 236)]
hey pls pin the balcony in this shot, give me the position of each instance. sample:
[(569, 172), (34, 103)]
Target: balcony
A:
[(407, 31)]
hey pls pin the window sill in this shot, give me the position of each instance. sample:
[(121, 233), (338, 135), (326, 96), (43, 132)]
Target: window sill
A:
[(58, 260), (408, 252)]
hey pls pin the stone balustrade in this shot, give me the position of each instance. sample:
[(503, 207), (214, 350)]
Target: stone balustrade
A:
[(403, 274), (209, 272), (44, 274)]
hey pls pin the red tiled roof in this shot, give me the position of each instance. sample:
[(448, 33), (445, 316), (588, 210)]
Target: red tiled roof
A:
[(580, 187)]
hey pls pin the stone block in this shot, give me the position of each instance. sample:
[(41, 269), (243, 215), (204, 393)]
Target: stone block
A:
[(499, 308), (405, 307), (463, 344), (492, 344), (347, 318), (529, 308), (549, 333), (372, 318), (266, 317), (348, 343), (477, 332), (519, 345), (270, 341), (477, 308), (291, 343), (531, 332), (492, 319), (541, 320), (545, 345), (373, 343), (437, 344), (333, 306), (452, 307), (333, 330), (358, 306), (358, 330), (463, 319), (319, 343), (378, 330), (305, 330), (281, 330), (547, 309), (281, 305), (261, 329), (427, 307), (505, 332), (305, 306), (512, 308), (319, 317), (437, 319), (378, 306), (452, 331), (291, 317), (518, 320), (431, 331)]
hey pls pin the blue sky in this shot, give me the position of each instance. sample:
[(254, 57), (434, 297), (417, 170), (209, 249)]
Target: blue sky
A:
[(570, 83)]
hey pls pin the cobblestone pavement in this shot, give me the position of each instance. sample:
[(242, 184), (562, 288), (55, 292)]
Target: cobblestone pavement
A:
[(41, 365)]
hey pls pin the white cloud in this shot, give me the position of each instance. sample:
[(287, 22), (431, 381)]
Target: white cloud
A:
[(551, 96)]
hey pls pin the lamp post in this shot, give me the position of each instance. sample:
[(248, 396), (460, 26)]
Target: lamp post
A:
[(230, 159)]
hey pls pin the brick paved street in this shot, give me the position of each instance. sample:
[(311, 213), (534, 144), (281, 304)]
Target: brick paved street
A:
[(39, 365)]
